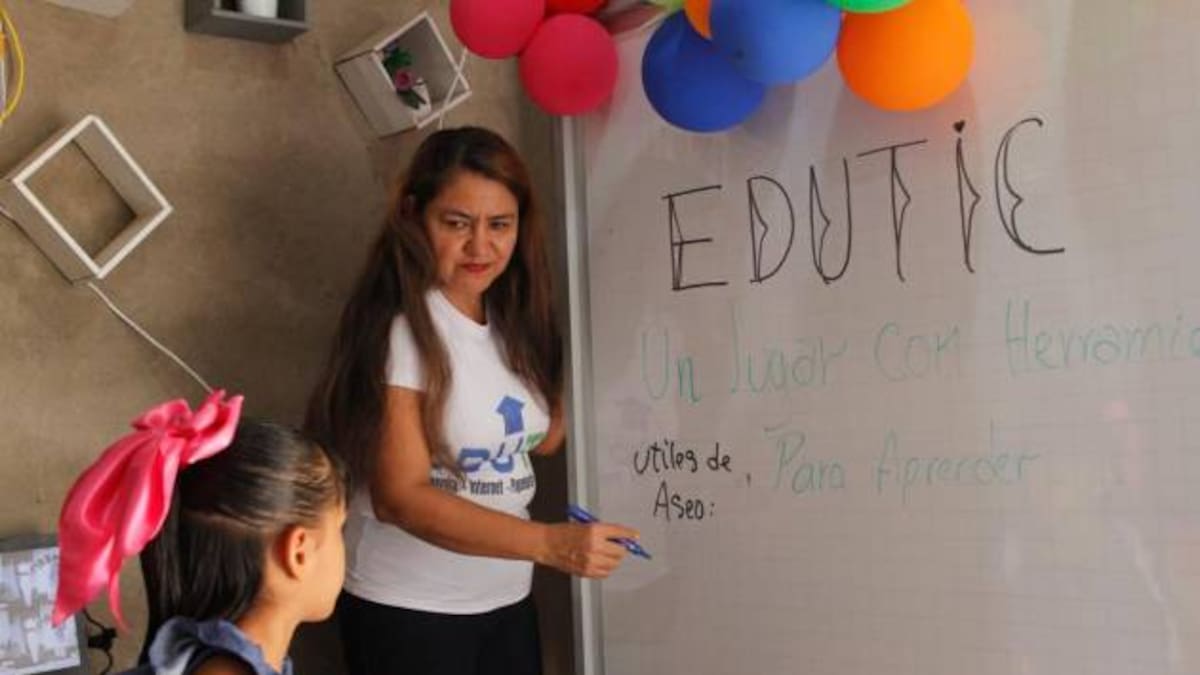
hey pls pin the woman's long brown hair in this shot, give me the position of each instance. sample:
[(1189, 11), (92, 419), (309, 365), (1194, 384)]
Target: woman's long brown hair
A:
[(345, 412)]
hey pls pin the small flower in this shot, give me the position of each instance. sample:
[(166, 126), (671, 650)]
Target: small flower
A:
[(404, 80)]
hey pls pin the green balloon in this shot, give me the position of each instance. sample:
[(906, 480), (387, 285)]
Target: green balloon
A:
[(868, 6), (676, 5)]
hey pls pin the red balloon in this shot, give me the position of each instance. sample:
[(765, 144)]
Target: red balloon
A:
[(496, 29), (570, 65), (573, 6)]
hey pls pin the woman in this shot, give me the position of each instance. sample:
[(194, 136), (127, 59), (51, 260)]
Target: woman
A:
[(445, 376)]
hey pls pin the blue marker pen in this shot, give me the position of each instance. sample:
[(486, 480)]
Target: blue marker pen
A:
[(579, 515)]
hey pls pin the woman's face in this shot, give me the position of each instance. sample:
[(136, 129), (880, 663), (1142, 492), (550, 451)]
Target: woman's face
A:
[(472, 226)]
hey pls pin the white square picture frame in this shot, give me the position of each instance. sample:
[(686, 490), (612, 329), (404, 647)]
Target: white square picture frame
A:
[(98, 143)]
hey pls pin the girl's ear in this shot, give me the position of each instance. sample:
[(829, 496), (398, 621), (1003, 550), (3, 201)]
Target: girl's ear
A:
[(295, 551)]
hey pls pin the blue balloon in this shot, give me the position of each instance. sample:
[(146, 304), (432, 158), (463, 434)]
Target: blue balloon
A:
[(775, 41), (690, 84)]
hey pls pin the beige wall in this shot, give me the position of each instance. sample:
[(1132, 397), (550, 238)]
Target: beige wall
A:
[(277, 184)]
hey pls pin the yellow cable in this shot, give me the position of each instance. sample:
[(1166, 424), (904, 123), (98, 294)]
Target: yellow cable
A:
[(18, 62)]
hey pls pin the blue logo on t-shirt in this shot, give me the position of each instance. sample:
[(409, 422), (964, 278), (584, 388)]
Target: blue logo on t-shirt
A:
[(514, 420), (515, 442)]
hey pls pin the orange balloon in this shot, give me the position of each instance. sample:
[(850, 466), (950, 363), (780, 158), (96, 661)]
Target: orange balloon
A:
[(909, 58), (698, 12)]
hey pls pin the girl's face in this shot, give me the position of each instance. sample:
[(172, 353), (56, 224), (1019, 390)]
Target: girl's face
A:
[(472, 227), (329, 563)]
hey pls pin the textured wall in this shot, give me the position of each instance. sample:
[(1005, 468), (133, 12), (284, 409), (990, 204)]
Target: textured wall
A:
[(278, 186)]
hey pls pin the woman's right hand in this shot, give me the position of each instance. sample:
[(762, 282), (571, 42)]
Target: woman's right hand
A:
[(586, 550)]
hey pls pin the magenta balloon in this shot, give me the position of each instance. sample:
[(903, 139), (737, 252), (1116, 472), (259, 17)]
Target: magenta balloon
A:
[(496, 29), (570, 65)]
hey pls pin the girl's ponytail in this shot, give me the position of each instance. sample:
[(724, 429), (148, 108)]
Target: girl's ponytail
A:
[(162, 576), (121, 501)]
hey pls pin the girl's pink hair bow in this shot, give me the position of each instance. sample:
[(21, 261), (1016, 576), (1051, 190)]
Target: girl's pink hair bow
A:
[(120, 503)]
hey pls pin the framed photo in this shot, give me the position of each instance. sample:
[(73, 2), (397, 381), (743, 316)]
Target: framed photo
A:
[(28, 581)]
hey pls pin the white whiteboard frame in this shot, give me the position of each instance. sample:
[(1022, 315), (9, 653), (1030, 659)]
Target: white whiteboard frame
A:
[(581, 489), (1033, 97)]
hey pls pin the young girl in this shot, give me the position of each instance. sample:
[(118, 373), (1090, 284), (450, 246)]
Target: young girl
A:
[(239, 527)]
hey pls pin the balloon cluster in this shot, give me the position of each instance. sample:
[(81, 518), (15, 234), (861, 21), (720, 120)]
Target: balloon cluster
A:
[(708, 67), (568, 60), (709, 64)]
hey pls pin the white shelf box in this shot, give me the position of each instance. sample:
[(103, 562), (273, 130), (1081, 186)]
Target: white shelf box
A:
[(101, 147), (362, 71), (221, 17)]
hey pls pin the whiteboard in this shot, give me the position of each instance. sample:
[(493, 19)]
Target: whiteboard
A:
[(952, 429)]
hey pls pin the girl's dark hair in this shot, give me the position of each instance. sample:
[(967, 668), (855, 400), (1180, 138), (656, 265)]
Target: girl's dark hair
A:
[(208, 560), (346, 409)]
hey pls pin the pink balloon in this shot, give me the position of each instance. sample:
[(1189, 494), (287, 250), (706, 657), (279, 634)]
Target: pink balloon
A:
[(496, 29), (570, 65)]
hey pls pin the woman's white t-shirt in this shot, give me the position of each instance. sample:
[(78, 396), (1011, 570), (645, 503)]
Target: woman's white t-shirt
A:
[(492, 420)]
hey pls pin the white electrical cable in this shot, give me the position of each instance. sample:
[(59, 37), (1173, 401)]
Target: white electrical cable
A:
[(149, 338), (134, 325)]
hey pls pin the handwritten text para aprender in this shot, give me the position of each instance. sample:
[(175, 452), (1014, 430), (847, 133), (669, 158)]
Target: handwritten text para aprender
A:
[(896, 473)]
